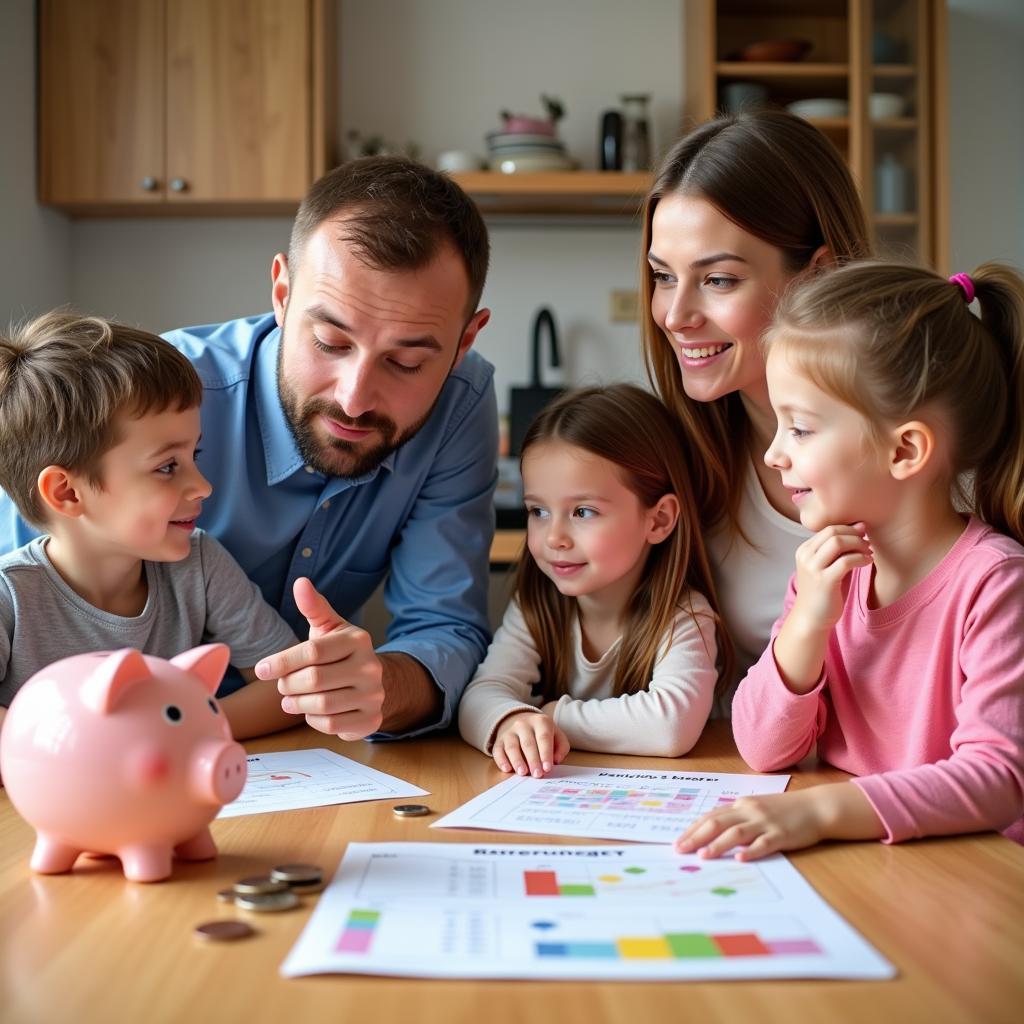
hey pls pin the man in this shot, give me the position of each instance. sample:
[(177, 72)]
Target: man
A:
[(352, 436)]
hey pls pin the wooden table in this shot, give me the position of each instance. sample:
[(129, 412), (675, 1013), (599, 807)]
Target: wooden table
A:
[(91, 947), (506, 546)]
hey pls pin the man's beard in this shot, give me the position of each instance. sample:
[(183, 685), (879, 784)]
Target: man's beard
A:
[(334, 456)]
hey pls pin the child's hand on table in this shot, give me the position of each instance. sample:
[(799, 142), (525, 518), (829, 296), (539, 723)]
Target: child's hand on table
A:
[(783, 821), (529, 743)]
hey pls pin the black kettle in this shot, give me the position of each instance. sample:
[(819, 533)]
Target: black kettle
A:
[(526, 402)]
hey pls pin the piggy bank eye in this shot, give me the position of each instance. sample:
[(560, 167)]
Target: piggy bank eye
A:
[(172, 713), (213, 705)]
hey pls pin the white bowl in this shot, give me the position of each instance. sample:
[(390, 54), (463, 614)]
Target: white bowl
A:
[(885, 104), (530, 163), (823, 107), (521, 139), (455, 160)]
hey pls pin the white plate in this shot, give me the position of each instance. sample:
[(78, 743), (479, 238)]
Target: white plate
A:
[(824, 107), (513, 138), (529, 163)]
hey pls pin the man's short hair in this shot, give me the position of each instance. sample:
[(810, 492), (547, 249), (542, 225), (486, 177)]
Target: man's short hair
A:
[(398, 214), (64, 379)]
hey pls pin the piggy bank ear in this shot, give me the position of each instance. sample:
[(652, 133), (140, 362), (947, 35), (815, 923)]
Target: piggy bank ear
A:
[(112, 678), (207, 663)]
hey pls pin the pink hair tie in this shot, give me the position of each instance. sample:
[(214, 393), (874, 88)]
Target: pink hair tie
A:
[(966, 283)]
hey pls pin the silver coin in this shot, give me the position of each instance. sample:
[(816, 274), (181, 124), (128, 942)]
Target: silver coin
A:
[(306, 888), (223, 931), (227, 895), (267, 901), (297, 874), (410, 810), (259, 884)]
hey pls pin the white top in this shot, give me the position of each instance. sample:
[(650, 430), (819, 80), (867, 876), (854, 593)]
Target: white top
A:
[(751, 578), (665, 720)]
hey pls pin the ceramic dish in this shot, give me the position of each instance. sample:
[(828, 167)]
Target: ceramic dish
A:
[(530, 163), (823, 107), (523, 147), (768, 50), (885, 104), (520, 139)]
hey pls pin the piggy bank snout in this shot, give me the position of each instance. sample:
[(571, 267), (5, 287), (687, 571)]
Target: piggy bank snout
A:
[(219, 771)]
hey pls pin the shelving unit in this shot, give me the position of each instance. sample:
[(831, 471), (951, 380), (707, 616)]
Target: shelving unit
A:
[(909, 211)]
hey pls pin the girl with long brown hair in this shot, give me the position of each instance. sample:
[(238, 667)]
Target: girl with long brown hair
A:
[(610, 642)]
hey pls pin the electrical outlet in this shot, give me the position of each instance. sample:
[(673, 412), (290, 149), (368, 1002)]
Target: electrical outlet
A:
[(623, 305)]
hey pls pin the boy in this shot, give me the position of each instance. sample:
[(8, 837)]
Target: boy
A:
[(100, 427)]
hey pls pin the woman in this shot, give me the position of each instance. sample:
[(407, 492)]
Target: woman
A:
[(741, 207)]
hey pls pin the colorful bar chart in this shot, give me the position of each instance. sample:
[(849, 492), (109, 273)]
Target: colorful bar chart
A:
[(545, 883), (357, 935), (681, 946)]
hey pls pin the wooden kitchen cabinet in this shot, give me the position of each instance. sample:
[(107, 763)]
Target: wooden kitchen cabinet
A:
[(858, 48), (166, 105)]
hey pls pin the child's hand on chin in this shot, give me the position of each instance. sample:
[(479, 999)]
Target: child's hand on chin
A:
[(760, 824), (529, 743)]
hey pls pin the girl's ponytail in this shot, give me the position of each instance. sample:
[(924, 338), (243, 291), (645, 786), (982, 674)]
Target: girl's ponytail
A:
[(999, 476)]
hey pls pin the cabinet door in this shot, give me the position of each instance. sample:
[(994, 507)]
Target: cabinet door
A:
[(238, 100), (101, 101)]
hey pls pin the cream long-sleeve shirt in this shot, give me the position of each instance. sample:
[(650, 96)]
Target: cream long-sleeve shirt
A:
[(665, 720)]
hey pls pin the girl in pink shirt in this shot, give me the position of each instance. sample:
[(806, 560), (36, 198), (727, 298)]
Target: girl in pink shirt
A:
[(899, 655)]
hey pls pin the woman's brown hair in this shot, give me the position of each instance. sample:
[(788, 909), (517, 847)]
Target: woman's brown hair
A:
[(892, 340), (633, 430), (779, 179)]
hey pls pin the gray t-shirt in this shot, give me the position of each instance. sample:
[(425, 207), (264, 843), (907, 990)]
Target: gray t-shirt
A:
[(205, 598)]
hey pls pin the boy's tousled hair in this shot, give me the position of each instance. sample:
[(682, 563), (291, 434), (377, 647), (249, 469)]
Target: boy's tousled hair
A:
[(781, 180), (892, 340), (397, 215), (64, 379), (633, 430)]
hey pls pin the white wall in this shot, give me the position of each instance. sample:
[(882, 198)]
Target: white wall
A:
[(986, 90), (35, 255), (439, 71)]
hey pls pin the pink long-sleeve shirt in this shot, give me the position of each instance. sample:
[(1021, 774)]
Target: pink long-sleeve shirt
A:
[(922, 699)]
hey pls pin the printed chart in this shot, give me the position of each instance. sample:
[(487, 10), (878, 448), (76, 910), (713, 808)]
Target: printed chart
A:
[(311, 778), (607, 803), (608, 912)]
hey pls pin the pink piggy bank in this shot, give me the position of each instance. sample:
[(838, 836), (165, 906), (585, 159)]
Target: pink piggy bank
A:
[(121, 753)]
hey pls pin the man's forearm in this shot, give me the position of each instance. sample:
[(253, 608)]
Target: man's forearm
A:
[(411, 697)]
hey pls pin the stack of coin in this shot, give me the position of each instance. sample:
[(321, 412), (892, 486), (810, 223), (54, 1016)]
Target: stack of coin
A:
[(302, 879), (263, 893)]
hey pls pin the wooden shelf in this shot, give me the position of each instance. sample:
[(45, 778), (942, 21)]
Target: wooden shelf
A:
[(593, 192), (780, 69)]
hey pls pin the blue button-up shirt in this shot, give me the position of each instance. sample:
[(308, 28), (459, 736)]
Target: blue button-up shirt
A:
[(423, 518)]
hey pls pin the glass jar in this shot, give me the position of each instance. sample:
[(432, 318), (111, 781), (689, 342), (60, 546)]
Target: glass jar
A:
[(636, 137)]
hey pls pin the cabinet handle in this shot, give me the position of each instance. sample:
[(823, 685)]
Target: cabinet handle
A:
[(148, 183), (178, 184)]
